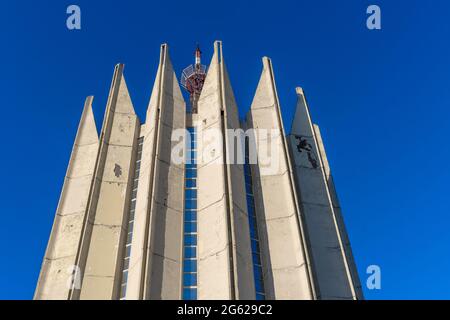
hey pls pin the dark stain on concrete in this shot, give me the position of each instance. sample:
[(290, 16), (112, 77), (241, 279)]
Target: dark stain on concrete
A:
[(304, 146), (118, 171)]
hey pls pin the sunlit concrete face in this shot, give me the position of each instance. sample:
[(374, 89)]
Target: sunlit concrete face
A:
[(134, 222)]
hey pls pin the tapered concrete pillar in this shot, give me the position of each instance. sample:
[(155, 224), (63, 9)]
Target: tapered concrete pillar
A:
[(339, 217), (58, 271), (156, 255), (224, 255), (333, 277), (100, 253), (284, 253)]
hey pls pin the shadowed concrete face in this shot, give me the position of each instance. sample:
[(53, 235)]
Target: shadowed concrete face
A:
[(155, 264), (285, 264), (224, 262), (103, 235), (335, 275), (339, 217)]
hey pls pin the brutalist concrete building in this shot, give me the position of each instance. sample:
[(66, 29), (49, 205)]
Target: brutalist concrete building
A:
[(135, 222)]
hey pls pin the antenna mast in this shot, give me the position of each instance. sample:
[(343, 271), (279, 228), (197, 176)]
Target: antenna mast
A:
[(193, 78)]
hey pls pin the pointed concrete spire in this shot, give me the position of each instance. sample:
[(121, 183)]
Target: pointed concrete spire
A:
[(61, 253), (124, 104), (302, 125), (265, 95), (158, 215), (87, 130), (171, 85), (232, 112), (217, 93), (97, 257), (166, 82), (325, 230), (210, 102), (277, 207), (223, 243), (119, 97), (212, 82), (154, 97)]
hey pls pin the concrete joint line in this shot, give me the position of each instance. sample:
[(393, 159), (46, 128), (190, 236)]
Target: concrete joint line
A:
[(210, 124), (209, 255), (240, 210), (85, 144), (162, 256), (79, 177), (211, 204), (70, 213), (290, 267), (316, 204), (211, 162), (98, 276), (59, 258), (272, 106), (180, 167), (114, 182), (117, 145), (280, 218), (108, 226), (274, 175), (133, 115), (166, 206)]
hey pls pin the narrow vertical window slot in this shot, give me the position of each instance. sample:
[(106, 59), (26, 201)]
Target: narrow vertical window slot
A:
[(131, 214), (253, 226), (190, 219)]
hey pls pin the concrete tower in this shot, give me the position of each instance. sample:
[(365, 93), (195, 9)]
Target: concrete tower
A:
[(196, 204)]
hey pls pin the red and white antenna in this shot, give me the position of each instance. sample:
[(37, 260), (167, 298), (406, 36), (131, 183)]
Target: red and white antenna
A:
[(193, 78), (198, 56)]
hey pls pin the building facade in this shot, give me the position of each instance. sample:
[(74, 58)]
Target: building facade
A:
[(196, 203)]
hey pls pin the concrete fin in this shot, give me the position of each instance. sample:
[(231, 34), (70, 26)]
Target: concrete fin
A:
[(121, 100), (265, 92), (326, 165), (230, 101), (157, 231), (323, 219), (165, 79), (224, 241), (103, 234), (339, 217), (171, 85), (212, 81), (87, 130), (302, 125), (69, 219), (154, 97), (282, 238)]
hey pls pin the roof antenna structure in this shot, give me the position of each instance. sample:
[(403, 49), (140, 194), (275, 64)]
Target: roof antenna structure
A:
[(193, 78)]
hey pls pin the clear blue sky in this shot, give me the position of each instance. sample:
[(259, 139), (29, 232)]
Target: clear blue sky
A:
[(382, 99)]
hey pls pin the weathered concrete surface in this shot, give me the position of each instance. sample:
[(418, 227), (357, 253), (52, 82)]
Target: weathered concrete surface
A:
[(224, 255), (333, 279), (156, 255), (101, 250), (55, 278), (339, 217), (283, 250), (305, 249)]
